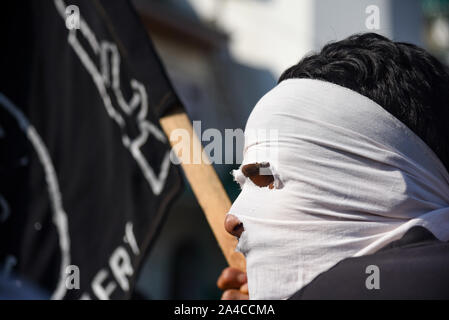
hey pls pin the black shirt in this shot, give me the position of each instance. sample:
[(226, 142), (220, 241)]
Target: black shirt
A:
[(413, 267)]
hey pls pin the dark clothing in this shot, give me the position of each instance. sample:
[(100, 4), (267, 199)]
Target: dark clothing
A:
[(413, 267)]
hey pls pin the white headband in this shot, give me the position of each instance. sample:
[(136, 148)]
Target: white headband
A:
[(351, 178)]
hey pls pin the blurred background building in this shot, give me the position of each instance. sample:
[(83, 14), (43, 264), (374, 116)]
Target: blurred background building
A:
[(222, 56)]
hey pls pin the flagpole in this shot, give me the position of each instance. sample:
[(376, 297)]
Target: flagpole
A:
[(206, 186)]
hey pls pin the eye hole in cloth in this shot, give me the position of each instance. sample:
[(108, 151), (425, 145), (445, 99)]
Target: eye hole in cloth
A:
[(261, 174)]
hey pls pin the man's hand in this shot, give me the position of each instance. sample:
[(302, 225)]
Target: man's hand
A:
[(234, 283)]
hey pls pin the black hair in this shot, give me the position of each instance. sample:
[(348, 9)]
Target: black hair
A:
[(404, 79)]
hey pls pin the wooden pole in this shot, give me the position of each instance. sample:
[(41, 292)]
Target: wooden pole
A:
[(206, 186)]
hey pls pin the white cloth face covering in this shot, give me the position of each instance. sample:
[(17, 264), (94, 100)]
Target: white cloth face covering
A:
[(349, 179)]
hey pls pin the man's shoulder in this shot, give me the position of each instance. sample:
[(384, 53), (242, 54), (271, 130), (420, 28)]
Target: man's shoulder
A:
[(413, 267)]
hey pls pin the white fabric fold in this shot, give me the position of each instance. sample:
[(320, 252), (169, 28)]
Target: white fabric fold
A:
[(350, 178)]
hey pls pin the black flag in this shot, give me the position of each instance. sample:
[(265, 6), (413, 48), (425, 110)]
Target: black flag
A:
[(85, 172)]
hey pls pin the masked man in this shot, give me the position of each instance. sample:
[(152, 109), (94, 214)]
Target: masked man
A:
[(349, 198)]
